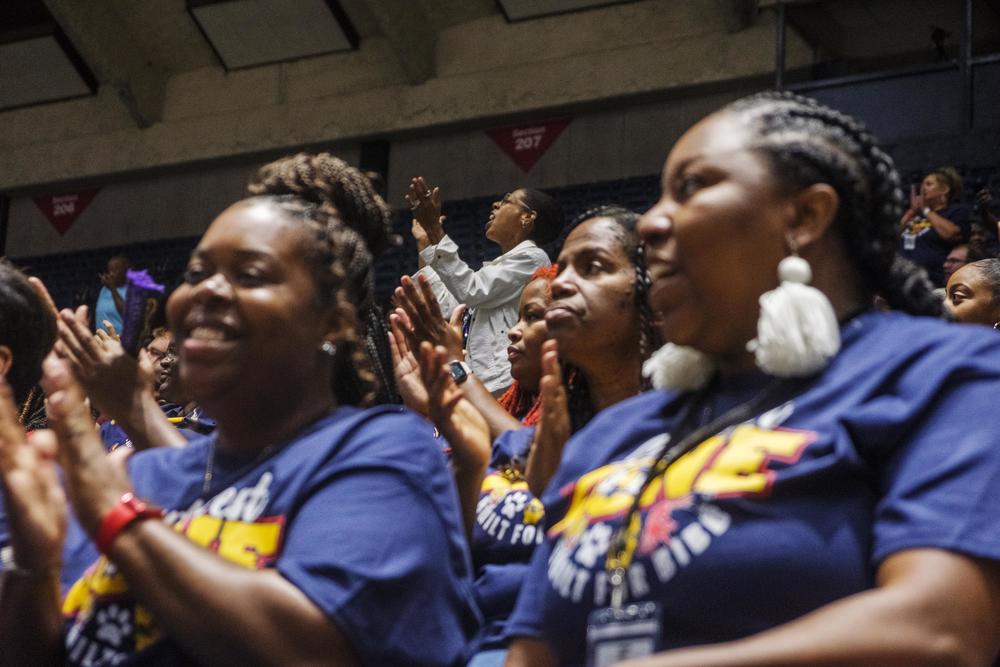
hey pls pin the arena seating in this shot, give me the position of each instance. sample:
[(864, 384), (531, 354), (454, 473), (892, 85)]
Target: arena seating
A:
[(72, 277)]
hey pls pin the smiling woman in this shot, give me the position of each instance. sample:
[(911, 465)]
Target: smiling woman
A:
[(344, 192), (267, 541)]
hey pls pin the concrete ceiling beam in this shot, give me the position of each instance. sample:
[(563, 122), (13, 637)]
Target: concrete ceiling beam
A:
[(410, 34), (738, 14), (114, 55), (474, 98), (818, 28)]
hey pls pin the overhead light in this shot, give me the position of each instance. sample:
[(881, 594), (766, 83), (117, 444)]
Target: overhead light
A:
[(248, 33), (519, 10), (38, 63)]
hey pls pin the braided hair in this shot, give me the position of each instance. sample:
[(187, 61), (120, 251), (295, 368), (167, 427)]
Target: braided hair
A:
[(581, 407), (808, 143), (343, 192), (328, 247)]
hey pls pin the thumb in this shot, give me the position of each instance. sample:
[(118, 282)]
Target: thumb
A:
[(456, 316), (145, 361), (44, 443)]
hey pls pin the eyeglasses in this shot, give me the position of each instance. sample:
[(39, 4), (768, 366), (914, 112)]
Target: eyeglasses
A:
[(157, 356), (509, 199)]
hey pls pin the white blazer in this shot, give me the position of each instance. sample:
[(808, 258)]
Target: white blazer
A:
[(493, 292)]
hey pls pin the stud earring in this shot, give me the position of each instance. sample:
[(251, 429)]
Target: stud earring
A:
[(329, 348)]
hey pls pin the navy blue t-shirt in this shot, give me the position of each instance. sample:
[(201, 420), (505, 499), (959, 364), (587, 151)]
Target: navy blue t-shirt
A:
[(896, 445), (922, 245), (359, 512), (509, 524)]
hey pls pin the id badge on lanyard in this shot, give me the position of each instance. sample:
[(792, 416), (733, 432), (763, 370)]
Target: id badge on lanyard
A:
[(631, 631), (909, 241)]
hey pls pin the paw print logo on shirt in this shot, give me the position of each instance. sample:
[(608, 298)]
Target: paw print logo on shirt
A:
[(114, 624), (534, 512), (514, 503), (593, 544)]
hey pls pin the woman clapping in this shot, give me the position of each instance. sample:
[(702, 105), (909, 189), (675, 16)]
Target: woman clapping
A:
[(304, 531)]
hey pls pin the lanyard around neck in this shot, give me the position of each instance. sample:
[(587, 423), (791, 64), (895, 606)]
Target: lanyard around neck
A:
[(623, 543)]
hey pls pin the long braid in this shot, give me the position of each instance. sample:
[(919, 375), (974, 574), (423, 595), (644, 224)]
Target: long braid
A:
[(344, 192), (330, 244), (649, 335), (810, 143)]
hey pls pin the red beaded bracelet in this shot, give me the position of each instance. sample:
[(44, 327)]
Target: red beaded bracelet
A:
[(128, 509)]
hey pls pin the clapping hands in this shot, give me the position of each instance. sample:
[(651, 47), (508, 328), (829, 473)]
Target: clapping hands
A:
[(425, 204)]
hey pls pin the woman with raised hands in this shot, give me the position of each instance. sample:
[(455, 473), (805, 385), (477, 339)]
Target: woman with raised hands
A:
[(935, 222), (305, 530), (417, 318), (519, 223), (815, 485)]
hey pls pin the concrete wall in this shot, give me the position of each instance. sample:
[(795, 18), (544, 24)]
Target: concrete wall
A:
[(596, 146), (632, 76), (484, 71)]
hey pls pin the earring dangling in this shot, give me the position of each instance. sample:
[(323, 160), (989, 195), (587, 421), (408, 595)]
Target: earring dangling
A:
[(797, 332), (329, 348)]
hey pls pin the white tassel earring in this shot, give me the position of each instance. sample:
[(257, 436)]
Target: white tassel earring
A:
[(678, 367), (797, 332)]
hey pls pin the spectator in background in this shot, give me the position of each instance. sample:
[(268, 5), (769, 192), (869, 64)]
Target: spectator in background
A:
[(987, 225), (111, 299), (935, 222), (378, 182), (974, 293), (956, 259), (519, 223), (982, 240), (159, 344)]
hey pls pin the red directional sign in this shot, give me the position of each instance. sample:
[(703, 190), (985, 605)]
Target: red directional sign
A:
[(63, 210), (526, 144)]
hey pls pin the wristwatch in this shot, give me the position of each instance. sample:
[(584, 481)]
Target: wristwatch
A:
[(128, 509), (460, 371)]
